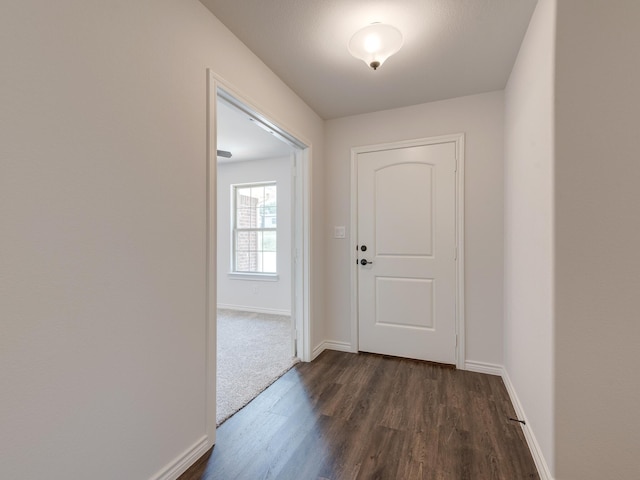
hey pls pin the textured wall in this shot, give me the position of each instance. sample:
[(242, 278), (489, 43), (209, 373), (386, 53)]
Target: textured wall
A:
[(529, 156), (103, 214), (479, 117), (597, 237)]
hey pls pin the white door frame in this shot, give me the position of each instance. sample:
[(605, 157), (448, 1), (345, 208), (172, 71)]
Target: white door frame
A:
[(458, 139), (301, 293)]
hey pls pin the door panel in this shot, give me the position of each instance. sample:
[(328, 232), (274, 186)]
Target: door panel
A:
[(412, 177), (406, 221), (404, 301)]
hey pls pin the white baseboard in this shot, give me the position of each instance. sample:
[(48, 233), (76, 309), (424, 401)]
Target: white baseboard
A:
[(184, 461), (534, 446), (242, 308), (482, 367), (331, 345)]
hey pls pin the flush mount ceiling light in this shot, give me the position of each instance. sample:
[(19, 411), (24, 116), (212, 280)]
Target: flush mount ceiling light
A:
[(375, 43)]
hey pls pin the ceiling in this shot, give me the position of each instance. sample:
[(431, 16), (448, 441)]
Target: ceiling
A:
[(451, 48), (239, 134)]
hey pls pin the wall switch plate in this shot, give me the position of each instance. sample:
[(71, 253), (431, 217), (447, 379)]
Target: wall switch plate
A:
[(339, 232)]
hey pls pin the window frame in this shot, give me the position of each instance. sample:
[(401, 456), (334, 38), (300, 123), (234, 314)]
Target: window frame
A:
[(249, 275)]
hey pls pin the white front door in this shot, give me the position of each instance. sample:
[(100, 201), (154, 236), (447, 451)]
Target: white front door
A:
[(406, 233)]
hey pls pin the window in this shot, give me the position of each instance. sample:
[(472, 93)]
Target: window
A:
[(254, 228)]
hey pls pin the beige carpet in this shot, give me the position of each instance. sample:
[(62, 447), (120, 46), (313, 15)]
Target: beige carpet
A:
[(254, 350)]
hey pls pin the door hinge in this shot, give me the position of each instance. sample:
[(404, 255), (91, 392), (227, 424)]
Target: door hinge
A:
[(455, 256), (456, 340)]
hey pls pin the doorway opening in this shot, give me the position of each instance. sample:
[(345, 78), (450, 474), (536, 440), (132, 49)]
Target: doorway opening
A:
[(258, 250)]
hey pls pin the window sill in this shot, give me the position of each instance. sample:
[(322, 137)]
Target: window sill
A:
[(260, 277)]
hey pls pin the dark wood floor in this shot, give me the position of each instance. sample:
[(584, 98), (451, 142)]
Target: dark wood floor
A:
[(364, 416)]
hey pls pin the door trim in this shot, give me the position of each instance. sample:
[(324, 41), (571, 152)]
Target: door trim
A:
[(458, 139)]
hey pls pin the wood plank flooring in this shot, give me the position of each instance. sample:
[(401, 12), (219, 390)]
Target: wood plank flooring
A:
[(347, 416)]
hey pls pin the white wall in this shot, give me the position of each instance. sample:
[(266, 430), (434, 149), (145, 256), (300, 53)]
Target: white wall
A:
[(480, 117), (103, 214), (529, 156), (597, 237), (271, 296)]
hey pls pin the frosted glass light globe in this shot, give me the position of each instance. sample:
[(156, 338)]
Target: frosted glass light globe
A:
[(375, 43)]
